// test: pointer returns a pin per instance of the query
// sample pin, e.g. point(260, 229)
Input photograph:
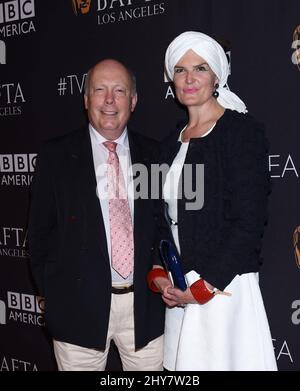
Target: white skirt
point(229, 333)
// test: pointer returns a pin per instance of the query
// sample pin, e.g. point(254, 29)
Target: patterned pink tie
point(121, 231)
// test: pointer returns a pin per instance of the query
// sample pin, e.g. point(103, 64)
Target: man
point(79, 231)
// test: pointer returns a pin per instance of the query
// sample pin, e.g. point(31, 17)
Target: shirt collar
point(99, 139)
point(203, 135)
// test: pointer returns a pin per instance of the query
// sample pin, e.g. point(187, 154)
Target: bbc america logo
point(17, 169)
point(25, 302)
point(14, 15)
point(20, 162)
point(23, 308)
point(11, 11)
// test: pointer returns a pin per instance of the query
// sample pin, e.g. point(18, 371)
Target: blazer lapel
point(81, 155)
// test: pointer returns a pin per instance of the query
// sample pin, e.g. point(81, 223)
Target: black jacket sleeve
point(42, 217)
point(249, 185)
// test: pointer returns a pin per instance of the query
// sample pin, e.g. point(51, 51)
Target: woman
point(219, 321)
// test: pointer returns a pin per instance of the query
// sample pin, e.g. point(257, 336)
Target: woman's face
point(194, 80)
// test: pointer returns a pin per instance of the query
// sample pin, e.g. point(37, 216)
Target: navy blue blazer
point(67, 240)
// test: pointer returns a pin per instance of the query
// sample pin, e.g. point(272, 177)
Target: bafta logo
point(296, 243)
point(296, 46)
point(81, 6)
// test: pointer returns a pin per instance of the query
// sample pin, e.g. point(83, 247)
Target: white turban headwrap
point(213, 53)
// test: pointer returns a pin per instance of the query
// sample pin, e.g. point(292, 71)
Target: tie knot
point(110, 145)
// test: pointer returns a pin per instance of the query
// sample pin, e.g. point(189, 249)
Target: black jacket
point(68, 246)
point(223, 238)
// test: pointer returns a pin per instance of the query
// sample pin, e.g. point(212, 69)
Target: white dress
point(229, 333)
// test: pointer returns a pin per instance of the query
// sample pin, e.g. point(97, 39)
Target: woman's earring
point(215, 93)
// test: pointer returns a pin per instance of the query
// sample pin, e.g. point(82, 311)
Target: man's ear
point(85, 101)
point(134, 99)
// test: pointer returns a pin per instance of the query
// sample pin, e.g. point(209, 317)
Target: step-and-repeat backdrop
point(46, 48)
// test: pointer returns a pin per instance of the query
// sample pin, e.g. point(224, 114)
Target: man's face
point(82, 6)
point(109, 98)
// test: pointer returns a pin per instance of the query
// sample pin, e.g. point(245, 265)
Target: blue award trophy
point(172, 263)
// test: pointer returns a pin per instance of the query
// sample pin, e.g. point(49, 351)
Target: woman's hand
point(173, 297)
point(162, 284)
point(209, 286)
